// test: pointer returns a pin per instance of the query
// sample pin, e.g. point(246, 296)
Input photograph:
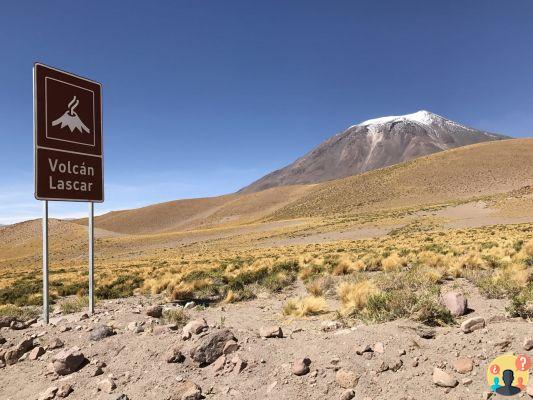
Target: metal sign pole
point(91, 257)
point(45, 262)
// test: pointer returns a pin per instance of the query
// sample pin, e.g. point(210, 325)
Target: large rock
point(528, 344)
point(301, 366)
point(211, 346)
point(442, 378)
point(188, 390)
point(174, 355)
point(463, 365)
point(154, 311)
point(12, 355)
point(5, 322)
point(455, 303)
point(56, 343)
point(107, 385)
point(270, 332)
point(64, 390)
point(473, 324)
point(348, 394)
point(346, 379)
point(101, 332)
point(36, 353)
point(68, 361)
point(48, 394)
point(195, 327)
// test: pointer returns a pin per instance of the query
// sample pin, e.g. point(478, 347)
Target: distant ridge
point(372, 144)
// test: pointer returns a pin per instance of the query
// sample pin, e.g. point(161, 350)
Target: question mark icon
point(523, 362)
point(495, 369)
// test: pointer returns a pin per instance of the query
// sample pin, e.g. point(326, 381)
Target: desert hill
point(462, 173)
point(374, 144)
point(458, 174)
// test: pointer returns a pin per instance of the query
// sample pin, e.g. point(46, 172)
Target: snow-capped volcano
point(372, 144)
point(421, 117)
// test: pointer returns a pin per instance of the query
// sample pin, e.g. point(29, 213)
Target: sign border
point(36, 146)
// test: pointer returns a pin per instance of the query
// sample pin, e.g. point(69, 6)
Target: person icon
point(508, 389)
point(496, 384)
point(520, 383)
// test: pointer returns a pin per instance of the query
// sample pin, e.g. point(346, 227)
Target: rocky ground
point(249, 350)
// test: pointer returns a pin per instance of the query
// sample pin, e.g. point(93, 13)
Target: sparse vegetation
point(305, 306)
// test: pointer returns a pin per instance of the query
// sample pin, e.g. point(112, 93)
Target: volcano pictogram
point(71, 119)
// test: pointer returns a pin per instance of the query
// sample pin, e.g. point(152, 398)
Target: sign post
point(45, 262)
point(68, 151)
point(91, 257)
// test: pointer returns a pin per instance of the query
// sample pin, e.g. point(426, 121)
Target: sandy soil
point(137, 364)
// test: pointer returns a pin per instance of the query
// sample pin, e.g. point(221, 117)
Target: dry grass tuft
point(392, 263)
point(354, 296)
point(305, 306)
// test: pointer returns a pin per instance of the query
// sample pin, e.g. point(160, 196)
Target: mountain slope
point(373, 144)
point(462, 173)
point(199, 213)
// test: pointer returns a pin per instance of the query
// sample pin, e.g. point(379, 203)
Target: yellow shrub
point(392, 263)
point(355, 295)
point(528, 248)
point(304, 306)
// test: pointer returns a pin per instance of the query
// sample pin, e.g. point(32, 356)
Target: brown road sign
point(68, 136)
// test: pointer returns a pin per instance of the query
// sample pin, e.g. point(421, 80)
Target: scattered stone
point(346, 379)
point(64, 390)
point(98, 371)
point(174, 356)
point(48, 394)
point(135, 327)
point(195, 327)
point(189, 305)
point(17, 325)
point(36, 353)
point(466, 381)
point(271, 332)
point(463, 365)
point(330, 326)
point(2, 340)
point(363, 349)
point(188, 390)
point(121, 397)
point(101, 332)
point(56, 343)
point(455, 303)
point(211, 346)
point(348, 394)
point(12, 355)
point(528, 344)
point(301, 367)
point(68, 361)
point(425, 332)
point(473, 324)
point(395, 365)
point(379, 348)
point(219, 363)
point(154, 311)
point(5, 322)
point(64, 329)
point(107, 385)
point(231, 346)
point(239, 364)
point(443, 379)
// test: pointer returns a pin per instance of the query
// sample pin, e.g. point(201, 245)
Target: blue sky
point(203, 97)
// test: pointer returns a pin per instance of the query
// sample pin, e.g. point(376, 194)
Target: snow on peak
point(422, 117)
